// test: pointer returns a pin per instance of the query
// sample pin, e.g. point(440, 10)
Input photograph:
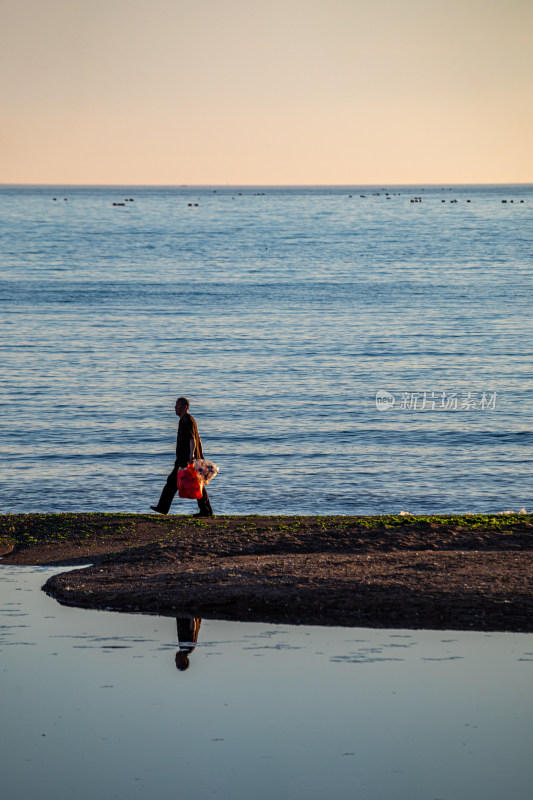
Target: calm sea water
point(280, 312)
point(93, 706)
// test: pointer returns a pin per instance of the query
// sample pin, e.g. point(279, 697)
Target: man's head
point(182, 406)
point(182, 661)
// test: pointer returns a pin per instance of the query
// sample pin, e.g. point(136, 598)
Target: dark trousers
point(169, 490)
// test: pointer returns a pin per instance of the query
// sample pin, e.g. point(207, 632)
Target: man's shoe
point(203, 514)
point(155, 508)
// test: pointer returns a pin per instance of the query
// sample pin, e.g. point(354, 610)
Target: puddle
point(116, 705)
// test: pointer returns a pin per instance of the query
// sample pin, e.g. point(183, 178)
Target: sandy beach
point(471, 572)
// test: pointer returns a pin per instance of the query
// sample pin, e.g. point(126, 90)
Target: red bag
point(190, 484)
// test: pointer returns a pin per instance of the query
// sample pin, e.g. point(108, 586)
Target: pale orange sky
point(266, 91)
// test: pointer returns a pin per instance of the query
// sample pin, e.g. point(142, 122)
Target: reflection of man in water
point(188, 629)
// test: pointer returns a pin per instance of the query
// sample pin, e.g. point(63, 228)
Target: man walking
point(188, 447)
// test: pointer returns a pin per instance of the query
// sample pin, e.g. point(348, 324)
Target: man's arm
point(192, 445)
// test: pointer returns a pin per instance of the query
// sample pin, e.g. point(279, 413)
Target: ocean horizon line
point(381, 186)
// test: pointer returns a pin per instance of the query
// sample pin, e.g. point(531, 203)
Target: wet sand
point(472, 572)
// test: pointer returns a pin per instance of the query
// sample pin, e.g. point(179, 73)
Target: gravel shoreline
point(471, 572)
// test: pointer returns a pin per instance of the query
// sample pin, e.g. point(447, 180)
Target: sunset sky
point(266, 91)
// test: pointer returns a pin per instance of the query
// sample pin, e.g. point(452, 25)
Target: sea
point(93, 706)
point(345, 349)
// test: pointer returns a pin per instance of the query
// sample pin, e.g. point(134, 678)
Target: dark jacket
point(187, 430)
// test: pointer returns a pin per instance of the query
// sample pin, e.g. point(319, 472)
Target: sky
point(266, 92)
